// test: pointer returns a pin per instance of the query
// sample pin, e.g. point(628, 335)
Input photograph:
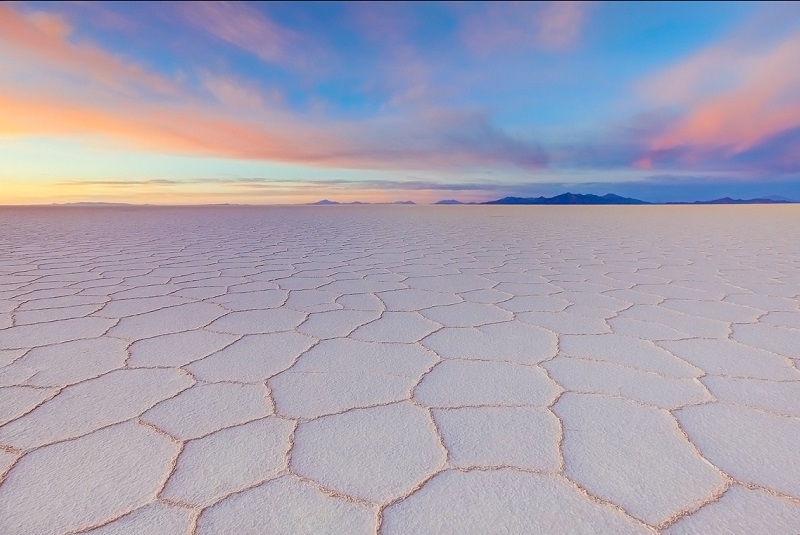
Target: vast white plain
point(353, 369)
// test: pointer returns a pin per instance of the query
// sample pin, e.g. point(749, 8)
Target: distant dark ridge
point(569, 198)
point(728, 200)
point(88, 203)
point(454, 202)
point(326, 202)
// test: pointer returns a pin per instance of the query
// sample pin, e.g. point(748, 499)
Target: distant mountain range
point(613, 199)
point(563, 199)
point(569, 198)
point(728, 200)
point(453, 201)
point(86, 203)
point(326, 202)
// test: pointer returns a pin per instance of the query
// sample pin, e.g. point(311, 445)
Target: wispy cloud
point(545, 25)
point(238, 95)
point(308, 184)
point(451, 91)
point(44, 39)
point(441, 140)
point(560, 24)
point(383, 23)
point(154, 113)
point(438, 138)
point(734, 96)
point(405, 75)
point(249, 29)
point(123, 183)
point(259, 189)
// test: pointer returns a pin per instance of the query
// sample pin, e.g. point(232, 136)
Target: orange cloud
point(436, 140)
point(43, 38)
point(191, 129)
point(80, 90)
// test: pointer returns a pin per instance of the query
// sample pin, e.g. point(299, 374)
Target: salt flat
point(353, 369)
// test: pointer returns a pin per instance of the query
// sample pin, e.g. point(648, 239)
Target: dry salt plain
point(348, 370)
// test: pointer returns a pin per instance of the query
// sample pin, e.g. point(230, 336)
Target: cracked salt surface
point(399, 370)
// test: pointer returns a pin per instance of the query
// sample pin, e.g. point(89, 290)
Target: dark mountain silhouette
point(576, 199)
point(87, 203)
point(569, 198)
point(326, 202)
point(728, 200)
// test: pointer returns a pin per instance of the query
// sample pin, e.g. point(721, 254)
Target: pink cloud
point(82, 92)
point(645, 163)
point(44, 38)
point(734, 96)
point(546, 25)
point(405, 76)
point(432, 140)
point(239, 95)
point(383, 23)
point(561, 23)
point(249, 29)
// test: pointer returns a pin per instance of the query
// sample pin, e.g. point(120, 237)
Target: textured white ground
point(342, 370)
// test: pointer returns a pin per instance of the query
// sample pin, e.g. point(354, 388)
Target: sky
point(281, 103)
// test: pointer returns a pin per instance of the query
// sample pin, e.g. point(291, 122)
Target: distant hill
point(326, 202)
point(569, 198)
point(728, 200)
point(563, 199)
point(86, 203)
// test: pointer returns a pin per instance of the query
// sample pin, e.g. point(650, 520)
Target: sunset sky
point(268, 103)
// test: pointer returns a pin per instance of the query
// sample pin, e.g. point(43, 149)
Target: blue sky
point(291, 102)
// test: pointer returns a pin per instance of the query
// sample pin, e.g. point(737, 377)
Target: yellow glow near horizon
point(46, 170)
point(29, 193)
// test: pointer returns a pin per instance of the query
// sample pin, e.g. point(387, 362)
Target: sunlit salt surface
point(353, 369)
